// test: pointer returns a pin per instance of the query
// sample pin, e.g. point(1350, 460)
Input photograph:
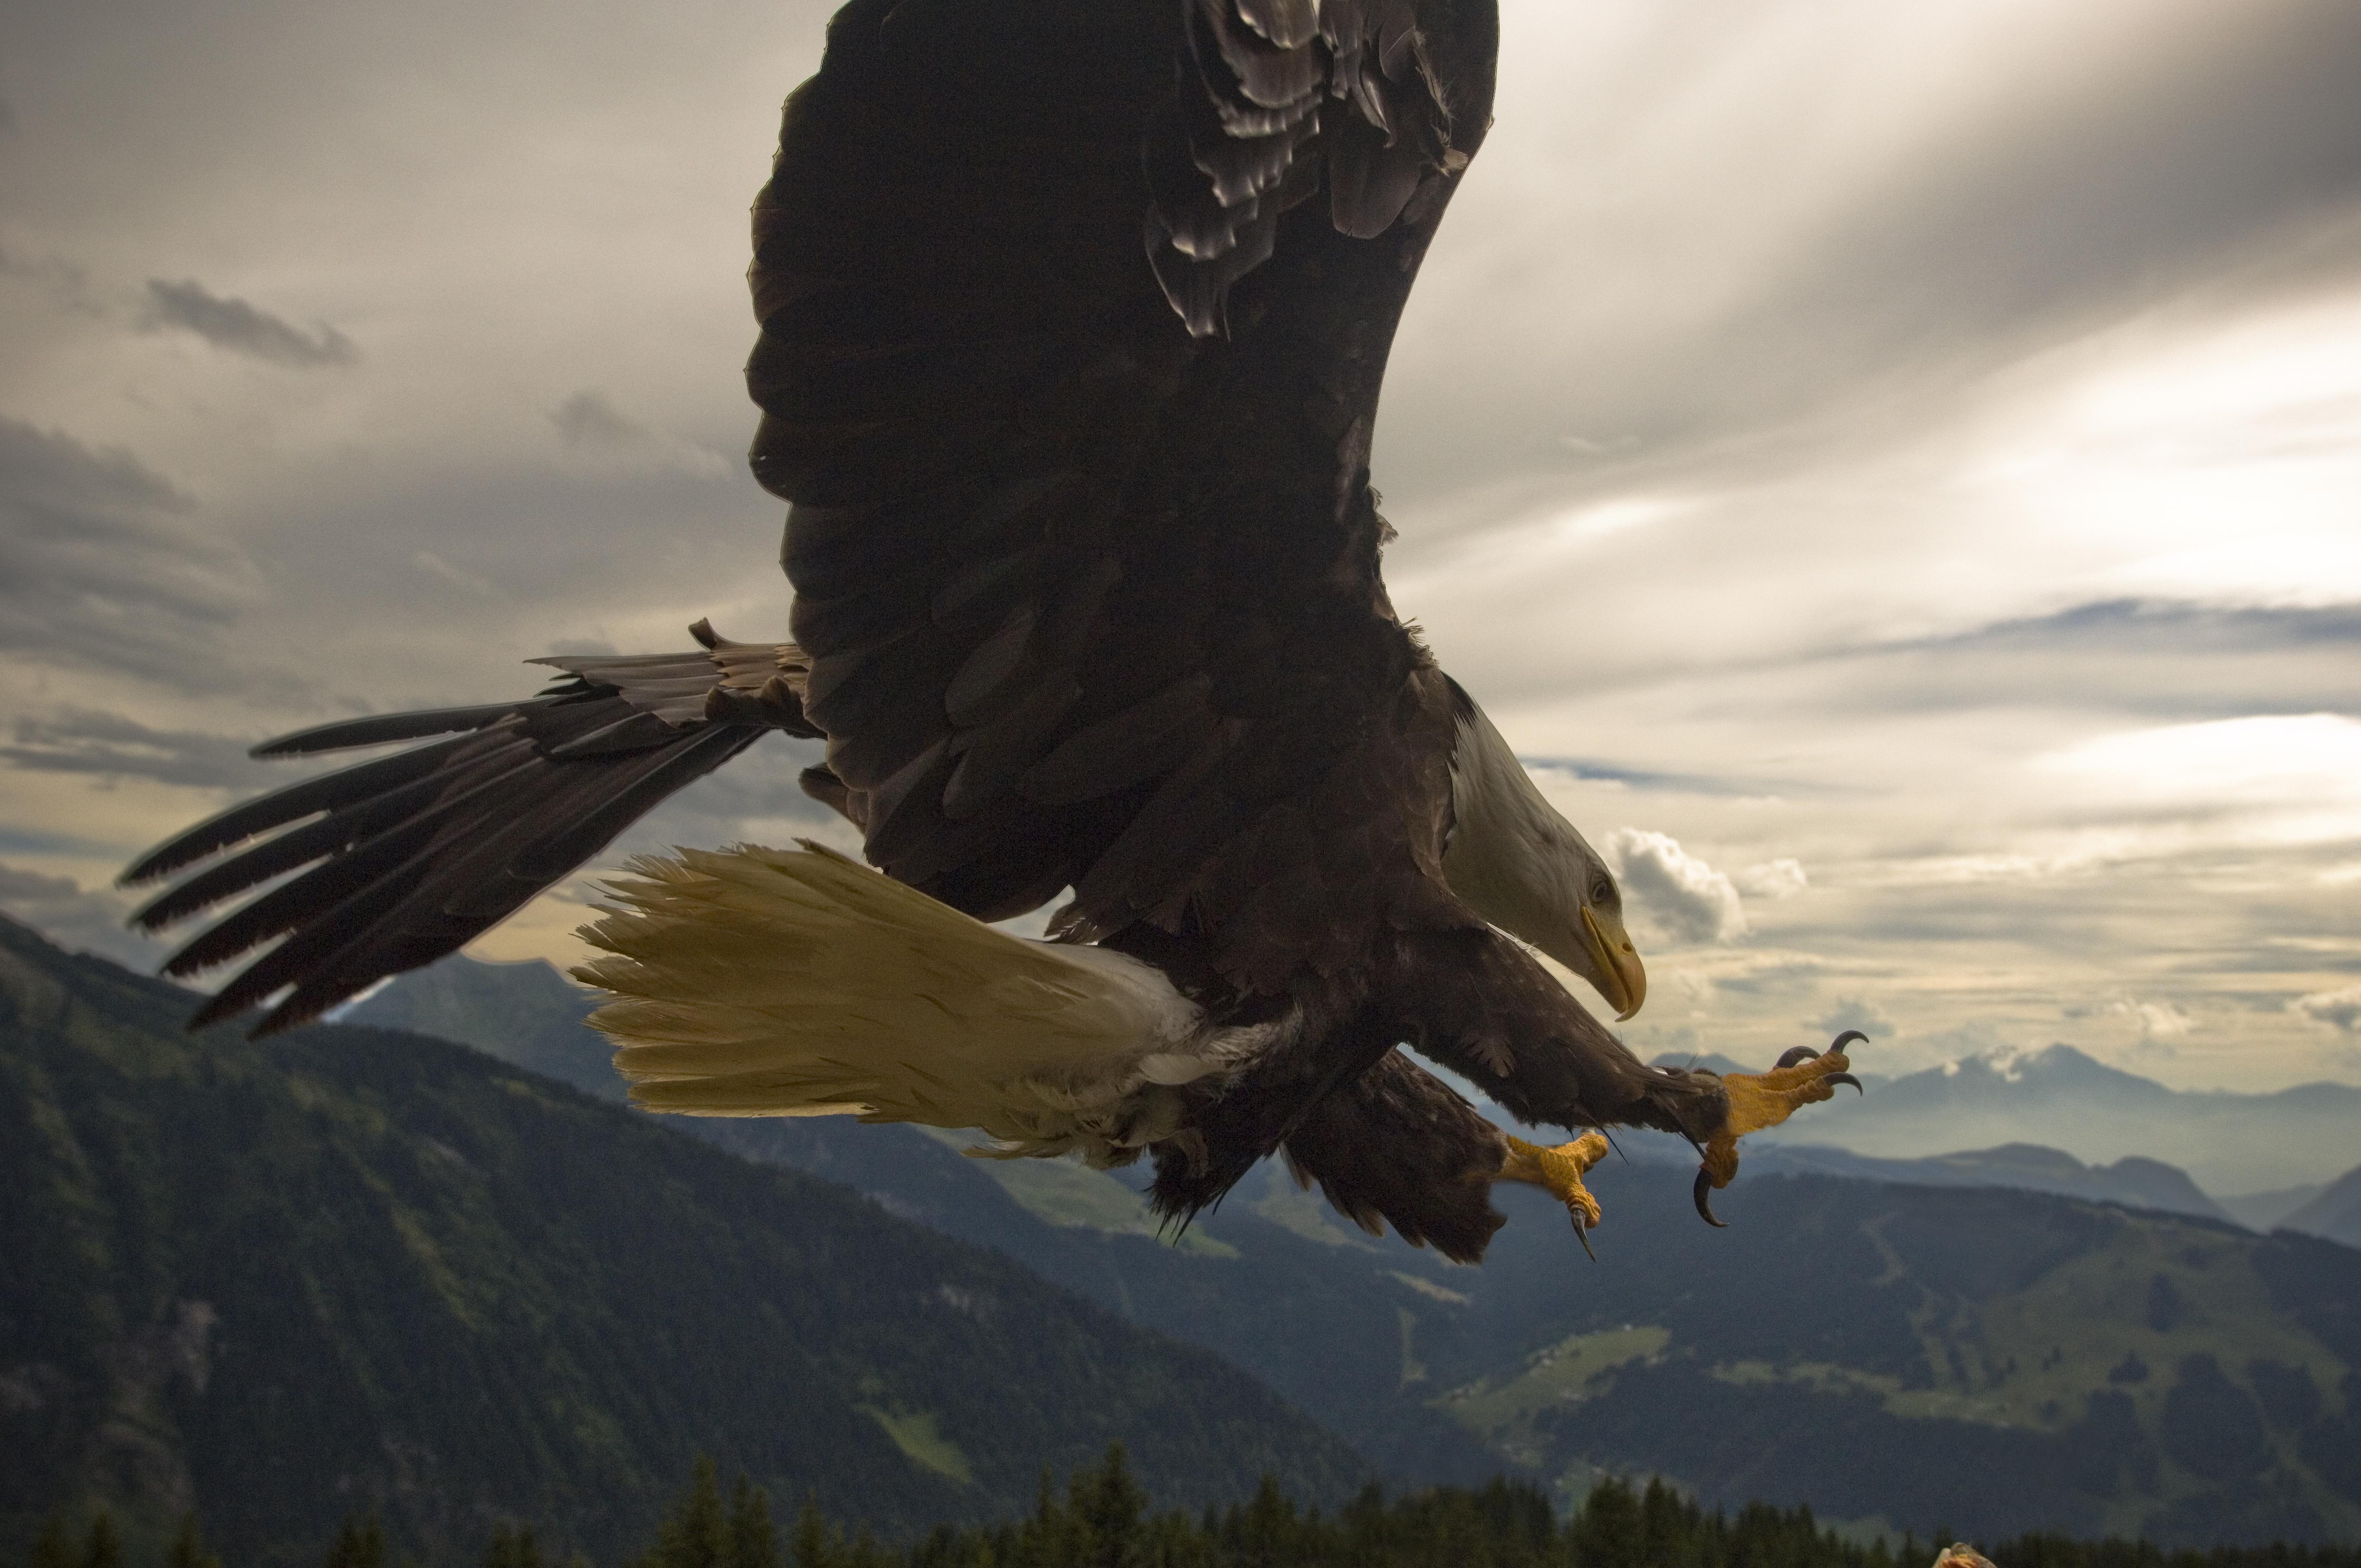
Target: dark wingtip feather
point(379, 728)
point(285, 804)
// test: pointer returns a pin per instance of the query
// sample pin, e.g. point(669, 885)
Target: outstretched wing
point(414, 855)
point(1070, 380)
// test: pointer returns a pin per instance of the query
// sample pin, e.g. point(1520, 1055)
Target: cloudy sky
point(1894, 470)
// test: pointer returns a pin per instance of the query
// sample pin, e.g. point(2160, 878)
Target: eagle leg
point(1757, 1100)
point(1558, 1171)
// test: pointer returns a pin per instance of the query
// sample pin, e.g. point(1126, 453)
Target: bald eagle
point(1073, 317)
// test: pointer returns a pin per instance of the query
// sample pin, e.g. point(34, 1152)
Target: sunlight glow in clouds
point(2301, 773)
point(2221, 465)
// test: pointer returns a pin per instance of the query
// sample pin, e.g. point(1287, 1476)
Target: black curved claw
point(1793, 1055)
point(1847, 1038)
point(1703, 1193)
point(1582, 1234)
point(1845, 1078)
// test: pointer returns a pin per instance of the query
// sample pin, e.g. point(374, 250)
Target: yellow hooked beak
point(1621, 975)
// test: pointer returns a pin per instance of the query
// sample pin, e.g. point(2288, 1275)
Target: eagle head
point(1513, 860)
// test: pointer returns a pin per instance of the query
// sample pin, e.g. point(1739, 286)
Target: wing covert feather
point(1088, 572)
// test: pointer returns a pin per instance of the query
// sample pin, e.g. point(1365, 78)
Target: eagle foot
point(1558, 1171)
point(1801, 1077)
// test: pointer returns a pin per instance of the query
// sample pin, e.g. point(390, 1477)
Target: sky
point(1895, 472)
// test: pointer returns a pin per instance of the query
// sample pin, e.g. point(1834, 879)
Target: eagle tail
point(785, 982)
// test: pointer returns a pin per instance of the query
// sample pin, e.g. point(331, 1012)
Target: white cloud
point(1773, 880)
point(2337, 1009)
point(1682, 895)
point(2154, 1020)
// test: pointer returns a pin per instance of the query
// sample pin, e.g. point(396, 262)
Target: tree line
point(1103, 1519)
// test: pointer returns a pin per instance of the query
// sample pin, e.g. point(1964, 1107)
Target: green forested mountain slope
point(1994, 1360)
point(349, 1269)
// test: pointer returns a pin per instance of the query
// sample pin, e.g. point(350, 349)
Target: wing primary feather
point(379, 728)
point(299, 846)
point(286, 805)
point(326, 885)
point(360, 941)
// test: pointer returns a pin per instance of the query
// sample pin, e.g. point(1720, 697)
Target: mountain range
point(358, 1267)
point(2062, 1098)
point(2334, 1211)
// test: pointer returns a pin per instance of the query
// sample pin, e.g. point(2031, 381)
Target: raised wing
point(1072, 384)
point(414, 855)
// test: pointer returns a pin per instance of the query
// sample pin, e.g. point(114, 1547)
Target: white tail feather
point(787, 983)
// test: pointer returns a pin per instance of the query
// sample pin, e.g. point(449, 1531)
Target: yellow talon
point(1558, 1171)
point(1759, 1100)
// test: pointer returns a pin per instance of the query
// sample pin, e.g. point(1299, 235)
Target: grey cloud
point(2166, 660)
point(592, 426)
point(756, 797)
point(240, 328)
point(87, 922)
point(65, 281)
point(1600, 771)
point(2157, 626)
point(1787, 977)
point(2098, 200)
point(1854, 1013)
point(32, 888)
point(587, 419)
point(99, 567)
point(2180, 153)
point(2163, 659)
point(107, 745)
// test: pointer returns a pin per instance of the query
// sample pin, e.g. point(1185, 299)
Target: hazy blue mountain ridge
point(2333, 1213)
point(2061, 1099)
point(2263, 1211)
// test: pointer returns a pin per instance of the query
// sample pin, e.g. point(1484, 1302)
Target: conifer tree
point(1607, 1532)
point(103, 1548)
point(697, 1533)
point(53, 1548)
point(1107, 1505)
point(815, 1545)
point(753, 1541)
point(189, 1547)
point(360, 1544)
point(513, 1548)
